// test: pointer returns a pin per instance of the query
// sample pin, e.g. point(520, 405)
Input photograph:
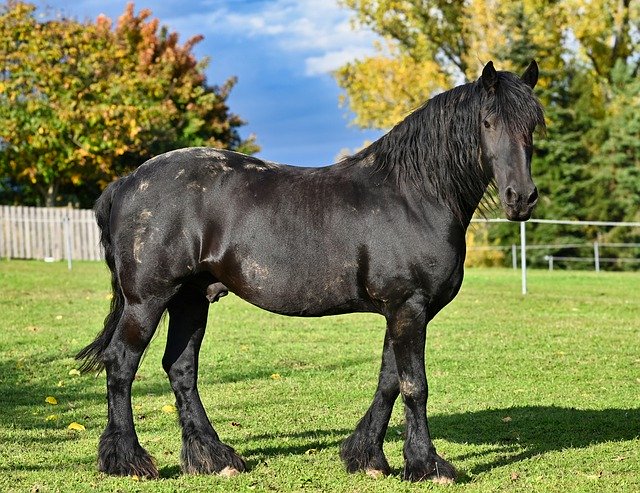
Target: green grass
point(536, 393)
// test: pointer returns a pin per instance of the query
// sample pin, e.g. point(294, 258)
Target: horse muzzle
point(518, 206)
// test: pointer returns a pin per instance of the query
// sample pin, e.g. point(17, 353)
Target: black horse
point(382, 231)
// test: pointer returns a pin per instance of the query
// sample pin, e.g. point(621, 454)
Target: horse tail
point(92, 355)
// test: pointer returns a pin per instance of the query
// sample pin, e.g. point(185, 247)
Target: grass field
point(536, 393)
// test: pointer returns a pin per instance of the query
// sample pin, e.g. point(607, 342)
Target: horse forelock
point(516, 105)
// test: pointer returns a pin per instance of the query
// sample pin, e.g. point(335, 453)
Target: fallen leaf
point(51, 417)
point(58, 317)
point(74, 373)
point(506, 419)
point(60, 383)
point(514, 476)
point(51, 400)
point(76, 426)
point(276, 376)
point(169, 408)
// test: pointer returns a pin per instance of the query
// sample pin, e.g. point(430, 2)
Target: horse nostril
point(510, 196)
point(533, 198)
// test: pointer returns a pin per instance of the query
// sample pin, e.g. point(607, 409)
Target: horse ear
point(530, 76)
point(489, 77)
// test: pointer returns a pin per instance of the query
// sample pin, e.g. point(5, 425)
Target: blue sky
point(282, 52)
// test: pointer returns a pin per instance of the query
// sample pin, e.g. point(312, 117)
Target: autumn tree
point(83, 102)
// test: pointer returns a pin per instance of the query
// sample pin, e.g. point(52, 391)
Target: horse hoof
point(359, 455)
point(205, 454)
point(375, 473)
point(122, 455)
point(435, 469)
point(229, 472)
point(442, 480)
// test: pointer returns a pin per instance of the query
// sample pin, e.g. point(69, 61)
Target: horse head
point(509, 116)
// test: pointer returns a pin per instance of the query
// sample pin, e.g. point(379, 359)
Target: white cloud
point(331, 60)
point(319, 31)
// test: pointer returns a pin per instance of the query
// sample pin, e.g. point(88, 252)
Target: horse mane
point(437, 148)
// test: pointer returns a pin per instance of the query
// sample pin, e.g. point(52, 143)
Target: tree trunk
point(50, 195)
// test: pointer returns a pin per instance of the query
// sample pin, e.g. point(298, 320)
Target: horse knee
point(411, 389)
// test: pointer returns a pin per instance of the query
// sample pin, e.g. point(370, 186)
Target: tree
point(433, 45)
point(84, 102)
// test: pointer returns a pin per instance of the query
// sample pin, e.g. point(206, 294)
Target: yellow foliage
point(431, 46)
point(51, 400)
point(478, 236)
point(385, 89)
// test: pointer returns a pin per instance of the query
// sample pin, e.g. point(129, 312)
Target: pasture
point(536, 393)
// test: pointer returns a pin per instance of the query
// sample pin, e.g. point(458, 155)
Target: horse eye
point(486, 124)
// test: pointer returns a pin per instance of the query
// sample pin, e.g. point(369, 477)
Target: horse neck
point(427, 164)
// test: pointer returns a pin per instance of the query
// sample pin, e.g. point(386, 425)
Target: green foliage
point(536, 393)
point(84, 102)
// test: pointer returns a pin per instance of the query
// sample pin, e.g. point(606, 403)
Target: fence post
point(523, 256)
point(596, 255)
point(549, 258)
point(67, 236)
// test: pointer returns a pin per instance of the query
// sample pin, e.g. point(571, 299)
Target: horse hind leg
point(119, 452)
point(202, 450)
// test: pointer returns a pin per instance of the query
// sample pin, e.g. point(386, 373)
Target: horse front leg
point(202, 450)
point(407, 331)
point(362, 451)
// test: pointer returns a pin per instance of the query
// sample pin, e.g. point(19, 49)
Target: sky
point(282, 51)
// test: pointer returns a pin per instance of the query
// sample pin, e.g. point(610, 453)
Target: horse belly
point(291, 286)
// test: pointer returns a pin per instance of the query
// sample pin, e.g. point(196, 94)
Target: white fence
point(594, 249)
point(49, 233)
point(523, 240)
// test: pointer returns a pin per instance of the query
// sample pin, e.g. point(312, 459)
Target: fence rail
point(524, 247)
point(44, 233)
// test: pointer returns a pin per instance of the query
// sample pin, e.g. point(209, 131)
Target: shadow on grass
point(303, 442)
point(509, 435)
point(518, 433)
